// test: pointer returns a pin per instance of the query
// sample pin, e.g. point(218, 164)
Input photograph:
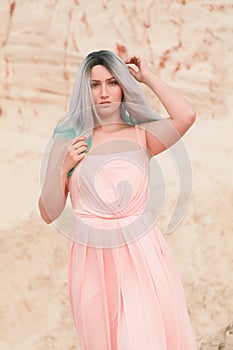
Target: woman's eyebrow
point(96, 80)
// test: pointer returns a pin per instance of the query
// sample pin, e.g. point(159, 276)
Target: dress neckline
point(140, 143)
point(117, 153)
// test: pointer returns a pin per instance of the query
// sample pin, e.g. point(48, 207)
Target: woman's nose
point(104, 91)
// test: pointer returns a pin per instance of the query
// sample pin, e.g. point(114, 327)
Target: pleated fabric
point(125, 290)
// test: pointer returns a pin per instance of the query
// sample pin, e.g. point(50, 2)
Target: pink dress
point(125, 291)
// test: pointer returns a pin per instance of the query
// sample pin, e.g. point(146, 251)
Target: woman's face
point(106, 92)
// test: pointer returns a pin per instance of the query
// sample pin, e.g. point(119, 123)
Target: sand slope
point(188, 43)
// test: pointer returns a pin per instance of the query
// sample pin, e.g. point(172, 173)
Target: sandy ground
point(188, 43)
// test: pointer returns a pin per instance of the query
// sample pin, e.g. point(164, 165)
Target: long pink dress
point(125, 291)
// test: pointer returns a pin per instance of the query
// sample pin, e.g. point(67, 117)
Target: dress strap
point(139, 135)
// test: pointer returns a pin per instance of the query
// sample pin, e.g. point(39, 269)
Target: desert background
point(189, 45)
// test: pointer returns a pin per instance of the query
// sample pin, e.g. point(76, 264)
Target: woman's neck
point(112, 126)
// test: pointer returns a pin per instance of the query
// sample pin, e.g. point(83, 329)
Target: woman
point(125, 292)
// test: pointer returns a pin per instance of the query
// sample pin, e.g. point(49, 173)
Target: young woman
point(125, 291)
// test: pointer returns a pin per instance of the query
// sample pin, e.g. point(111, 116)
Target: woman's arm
point(163, 133)
point(55, 190)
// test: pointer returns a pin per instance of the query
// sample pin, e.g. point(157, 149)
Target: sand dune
point(188, 44)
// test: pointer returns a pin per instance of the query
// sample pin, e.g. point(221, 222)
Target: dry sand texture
point(189, 44)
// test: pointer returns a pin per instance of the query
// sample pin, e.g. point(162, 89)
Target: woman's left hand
point(142, 68)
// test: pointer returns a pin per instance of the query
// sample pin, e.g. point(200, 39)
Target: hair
point(81, 116)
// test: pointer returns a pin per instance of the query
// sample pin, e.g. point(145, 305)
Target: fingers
point(78, 148)
point(133, 60)
point(78, 138)
point(81, 149)
point(140, 68)
point(79, 157)
point(139, 62)
point(79, 142)
point(77, 153)
point(131, 70)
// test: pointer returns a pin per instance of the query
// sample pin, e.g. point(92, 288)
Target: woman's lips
point(105, 104)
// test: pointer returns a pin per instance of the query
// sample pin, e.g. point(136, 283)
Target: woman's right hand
point(75, 153)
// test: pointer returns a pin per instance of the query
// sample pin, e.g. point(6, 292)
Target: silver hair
point(81, 117)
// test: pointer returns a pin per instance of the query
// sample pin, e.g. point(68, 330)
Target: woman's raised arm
point(163, 133)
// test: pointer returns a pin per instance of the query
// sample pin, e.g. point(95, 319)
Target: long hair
point(81, 116)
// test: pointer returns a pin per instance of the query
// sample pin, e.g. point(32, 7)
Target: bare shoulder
point(162, 134)
point(156, 135)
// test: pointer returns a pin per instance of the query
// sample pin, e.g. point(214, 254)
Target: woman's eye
point(94, 85)
point(113, 82)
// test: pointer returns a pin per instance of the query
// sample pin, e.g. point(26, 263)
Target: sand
point(41, 50)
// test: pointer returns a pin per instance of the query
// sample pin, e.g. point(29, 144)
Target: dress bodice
point(111, 188)
point(111, 185)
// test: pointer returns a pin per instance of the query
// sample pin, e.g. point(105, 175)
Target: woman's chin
point(107, 110)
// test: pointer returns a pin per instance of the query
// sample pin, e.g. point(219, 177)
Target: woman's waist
point(112, 231)
point(120, 215)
